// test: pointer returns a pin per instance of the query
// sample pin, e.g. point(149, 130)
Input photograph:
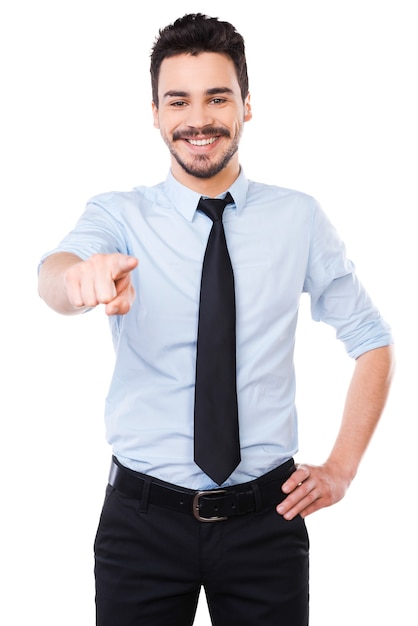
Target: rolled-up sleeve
point(345, 305)
point(98, 231)
point(337, 296)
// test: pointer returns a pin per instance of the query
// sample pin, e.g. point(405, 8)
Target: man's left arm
point(311, 487)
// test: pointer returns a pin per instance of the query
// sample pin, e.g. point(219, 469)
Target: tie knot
point(214, 207)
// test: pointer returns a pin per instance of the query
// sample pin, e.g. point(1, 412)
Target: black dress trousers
point(151, 564)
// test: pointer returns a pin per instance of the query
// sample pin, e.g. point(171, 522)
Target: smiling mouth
point(202, 142)
point(199, 137)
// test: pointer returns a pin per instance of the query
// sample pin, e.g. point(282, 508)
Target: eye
point(178, 103)
point(218, 100)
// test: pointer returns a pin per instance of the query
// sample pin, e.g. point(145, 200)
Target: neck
point(210, 187)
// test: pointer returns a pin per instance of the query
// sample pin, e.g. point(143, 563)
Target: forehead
point(197, 73)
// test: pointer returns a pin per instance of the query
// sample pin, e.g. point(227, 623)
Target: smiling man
point(203, 489)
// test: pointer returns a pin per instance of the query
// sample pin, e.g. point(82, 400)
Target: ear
point(247, 109)
point(155, 115)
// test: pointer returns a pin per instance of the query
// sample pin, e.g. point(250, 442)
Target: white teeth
point(201, 142)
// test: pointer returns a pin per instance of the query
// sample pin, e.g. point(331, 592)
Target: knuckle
point(312, 496)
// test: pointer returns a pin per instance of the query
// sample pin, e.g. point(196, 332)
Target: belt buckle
point(196, 506)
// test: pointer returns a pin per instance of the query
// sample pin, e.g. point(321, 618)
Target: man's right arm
point(70, 285)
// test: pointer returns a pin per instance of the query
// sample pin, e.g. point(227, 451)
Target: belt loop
point(143, 504)
point(257, 496)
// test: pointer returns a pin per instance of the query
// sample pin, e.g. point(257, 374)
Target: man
point(140, 254)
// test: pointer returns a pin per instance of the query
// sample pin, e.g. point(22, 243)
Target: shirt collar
point(186, 200)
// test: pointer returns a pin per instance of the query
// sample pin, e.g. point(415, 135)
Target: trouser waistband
point(207, 506)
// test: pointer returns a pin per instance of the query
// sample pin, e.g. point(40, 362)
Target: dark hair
point(195, 33)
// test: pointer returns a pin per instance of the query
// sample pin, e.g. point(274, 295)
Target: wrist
point(344, 469)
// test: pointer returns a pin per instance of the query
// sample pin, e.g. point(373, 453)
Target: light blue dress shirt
point(281, 245)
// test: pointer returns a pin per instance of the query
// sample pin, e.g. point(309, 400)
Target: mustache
point(210, 131)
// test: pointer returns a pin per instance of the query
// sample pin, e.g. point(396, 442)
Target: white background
point(335, 115)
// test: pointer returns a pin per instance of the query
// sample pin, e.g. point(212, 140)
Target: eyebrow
point(209, 92)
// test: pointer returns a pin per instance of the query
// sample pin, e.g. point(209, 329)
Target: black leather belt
point(207, 506)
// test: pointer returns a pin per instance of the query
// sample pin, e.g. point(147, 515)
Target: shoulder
point(281, 200)
point(257, 190)
point(123, 206)
point(137, 196)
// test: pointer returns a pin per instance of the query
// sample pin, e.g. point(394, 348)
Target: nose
point(198, 116)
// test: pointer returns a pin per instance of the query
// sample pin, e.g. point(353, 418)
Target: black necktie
point(216, 441)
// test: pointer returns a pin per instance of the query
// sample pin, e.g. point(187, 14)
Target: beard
point(202, 166)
